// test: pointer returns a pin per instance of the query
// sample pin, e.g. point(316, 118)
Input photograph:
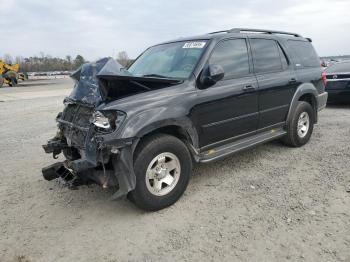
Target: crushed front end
point(87, 138)
point(92, 152)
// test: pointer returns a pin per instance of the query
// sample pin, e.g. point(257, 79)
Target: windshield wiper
point(141, 85)
point(155, 75)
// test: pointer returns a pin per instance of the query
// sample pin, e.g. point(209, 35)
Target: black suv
point(194, 99)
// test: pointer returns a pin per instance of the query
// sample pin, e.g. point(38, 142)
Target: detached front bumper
point(104, 160)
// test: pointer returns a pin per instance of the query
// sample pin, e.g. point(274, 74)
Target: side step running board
point(225, 150)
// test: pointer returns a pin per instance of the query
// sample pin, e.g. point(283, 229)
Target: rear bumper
point(322, 101)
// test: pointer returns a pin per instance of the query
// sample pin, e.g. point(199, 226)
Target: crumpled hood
point(104, 79)
point(86, 88)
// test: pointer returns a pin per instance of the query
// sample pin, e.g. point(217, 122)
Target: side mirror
point(211, 75)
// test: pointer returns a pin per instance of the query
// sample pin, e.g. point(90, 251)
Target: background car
point(338, 82)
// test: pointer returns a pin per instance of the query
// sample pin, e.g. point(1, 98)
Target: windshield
point(173, 60)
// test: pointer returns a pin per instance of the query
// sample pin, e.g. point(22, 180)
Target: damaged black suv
point(140, 129)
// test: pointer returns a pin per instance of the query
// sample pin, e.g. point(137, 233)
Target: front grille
point(78, 138)
point(69, 112)
point(75, 124)
point(78, 115)
point(84, 115)
point(338, 76)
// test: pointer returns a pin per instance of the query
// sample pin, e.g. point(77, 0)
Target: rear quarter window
point(304, 53)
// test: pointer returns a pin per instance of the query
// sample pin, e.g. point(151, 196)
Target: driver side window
point(232, 55)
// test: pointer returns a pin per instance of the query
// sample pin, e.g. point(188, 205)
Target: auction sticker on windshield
point(194, 45)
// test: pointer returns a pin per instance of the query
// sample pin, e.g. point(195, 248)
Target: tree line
point(47, 63)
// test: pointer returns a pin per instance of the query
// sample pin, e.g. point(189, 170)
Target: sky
point(99, 28)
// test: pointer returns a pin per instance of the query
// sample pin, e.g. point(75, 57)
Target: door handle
point(292, 81)
point(248, 88)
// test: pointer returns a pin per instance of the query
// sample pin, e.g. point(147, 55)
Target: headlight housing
point(100, 121)
point(108, 120)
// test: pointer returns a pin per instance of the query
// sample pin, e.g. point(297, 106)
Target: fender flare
point(145, 122)
point(124, 171)
point(303, 89)
point(184, 124)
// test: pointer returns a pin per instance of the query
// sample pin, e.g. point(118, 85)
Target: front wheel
point(300, 126)
point(163, 166)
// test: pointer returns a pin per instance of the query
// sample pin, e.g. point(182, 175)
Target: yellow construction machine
point(8, 74)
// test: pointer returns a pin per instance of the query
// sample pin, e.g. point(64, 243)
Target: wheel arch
point(181, 130)
point(306, 92)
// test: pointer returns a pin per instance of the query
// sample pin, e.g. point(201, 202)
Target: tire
point(297, 137)
point(12, 82)
point(151, 154)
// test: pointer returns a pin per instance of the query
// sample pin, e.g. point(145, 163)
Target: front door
point(229, 109)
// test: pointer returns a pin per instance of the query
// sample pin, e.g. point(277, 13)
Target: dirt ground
point(271, 203)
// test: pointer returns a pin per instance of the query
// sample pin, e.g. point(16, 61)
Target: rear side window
point(232, 55)
point(305, 54)
point(266, 55)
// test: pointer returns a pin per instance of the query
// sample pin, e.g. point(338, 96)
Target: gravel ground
point(271, 203)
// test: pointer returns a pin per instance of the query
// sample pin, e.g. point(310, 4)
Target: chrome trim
point(233, 138)
point(338, 79)
point(86, 129)
point(246, 147)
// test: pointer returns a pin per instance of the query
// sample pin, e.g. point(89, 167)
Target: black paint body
point(225, 111)
point(207, 118)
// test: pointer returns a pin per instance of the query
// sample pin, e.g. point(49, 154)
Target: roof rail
point(239, 30)
point(218, 32)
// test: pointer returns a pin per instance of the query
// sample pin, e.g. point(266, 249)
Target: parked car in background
point(338, 82)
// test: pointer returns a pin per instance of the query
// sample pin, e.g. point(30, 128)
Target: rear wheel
point(300, 126)
point(163, 167)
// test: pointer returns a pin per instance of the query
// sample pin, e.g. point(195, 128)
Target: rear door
point(229, 109)
point(276, 79)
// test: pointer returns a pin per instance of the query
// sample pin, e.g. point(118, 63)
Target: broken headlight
point(100, 121)
point(108, 120)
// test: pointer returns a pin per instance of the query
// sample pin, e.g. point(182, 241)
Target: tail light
point(324, 78)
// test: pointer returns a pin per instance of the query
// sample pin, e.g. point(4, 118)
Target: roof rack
point(239, 30)
point(218, 32)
